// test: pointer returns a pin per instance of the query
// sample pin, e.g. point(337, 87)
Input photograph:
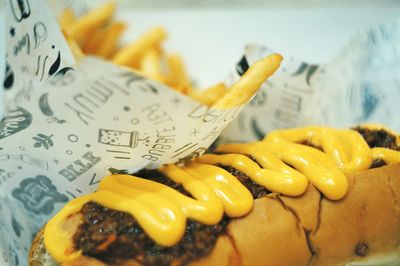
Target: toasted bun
point(361, 229)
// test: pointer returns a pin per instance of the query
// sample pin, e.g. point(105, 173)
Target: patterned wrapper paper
point(35, 49)
point(362, 84)
point(2, 52)
point(80, 124)
point(32, 50)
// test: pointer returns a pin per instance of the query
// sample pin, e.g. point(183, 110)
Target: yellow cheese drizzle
point(280, 163)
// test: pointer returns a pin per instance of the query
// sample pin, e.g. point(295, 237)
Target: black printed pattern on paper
point(16, 121)
point(8, 77)
point(47, 110)
point(38, 195)
point(20, 9)
point(242, 66)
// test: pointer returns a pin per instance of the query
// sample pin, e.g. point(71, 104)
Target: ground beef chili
point(255, 189)
point(378, 139)
point(114, 236)
point(157, 176)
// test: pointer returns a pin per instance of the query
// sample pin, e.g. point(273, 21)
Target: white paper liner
point(84, 125)
point(35, 49)
point(360, 85)
point(2, 53)
point(64, 134)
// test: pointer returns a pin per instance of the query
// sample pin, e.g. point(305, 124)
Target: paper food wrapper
point(35, 50)
point(360, 85)
point(2, 52)
point(68, 126)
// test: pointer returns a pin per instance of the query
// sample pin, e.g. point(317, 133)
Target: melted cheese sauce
point(280, 163)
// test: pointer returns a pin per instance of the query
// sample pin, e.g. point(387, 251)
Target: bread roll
point(361, 229)
point(349, 216)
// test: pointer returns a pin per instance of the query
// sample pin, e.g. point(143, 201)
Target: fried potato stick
point(91, 21)
point(249, 83)
point(67, 18)
point(210, 95)
point(131, 54)
point(110, 43)
point(150, 65)
point(178, 77)
point(103, 42)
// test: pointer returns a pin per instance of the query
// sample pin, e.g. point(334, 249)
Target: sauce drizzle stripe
point(282, 163)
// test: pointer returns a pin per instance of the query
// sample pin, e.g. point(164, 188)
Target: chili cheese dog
point(307, 196)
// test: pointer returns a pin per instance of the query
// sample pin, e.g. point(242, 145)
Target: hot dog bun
point(363, 228)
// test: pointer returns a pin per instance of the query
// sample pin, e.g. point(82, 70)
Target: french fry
point(150, 65)
point(249, 83)
point(132, 53)
point(209, 95)
point(104, 41)
point(91, 34)
point(109, 45)
point(177, 74)
point(93, 41)
point(67, 18)
point(91, 21)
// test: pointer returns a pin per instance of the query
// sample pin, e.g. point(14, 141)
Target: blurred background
point(211, 35)
point(241, 3)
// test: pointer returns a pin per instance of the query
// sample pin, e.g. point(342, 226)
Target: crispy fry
point(132, 53)
point(150, 65)
point(91, 34)
point(103, 41)
point(209, 95)
point(249, 83)
point(93, 41)
point(89, 22)
point(67, 18)
point(177, 74)
point(110, 42)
